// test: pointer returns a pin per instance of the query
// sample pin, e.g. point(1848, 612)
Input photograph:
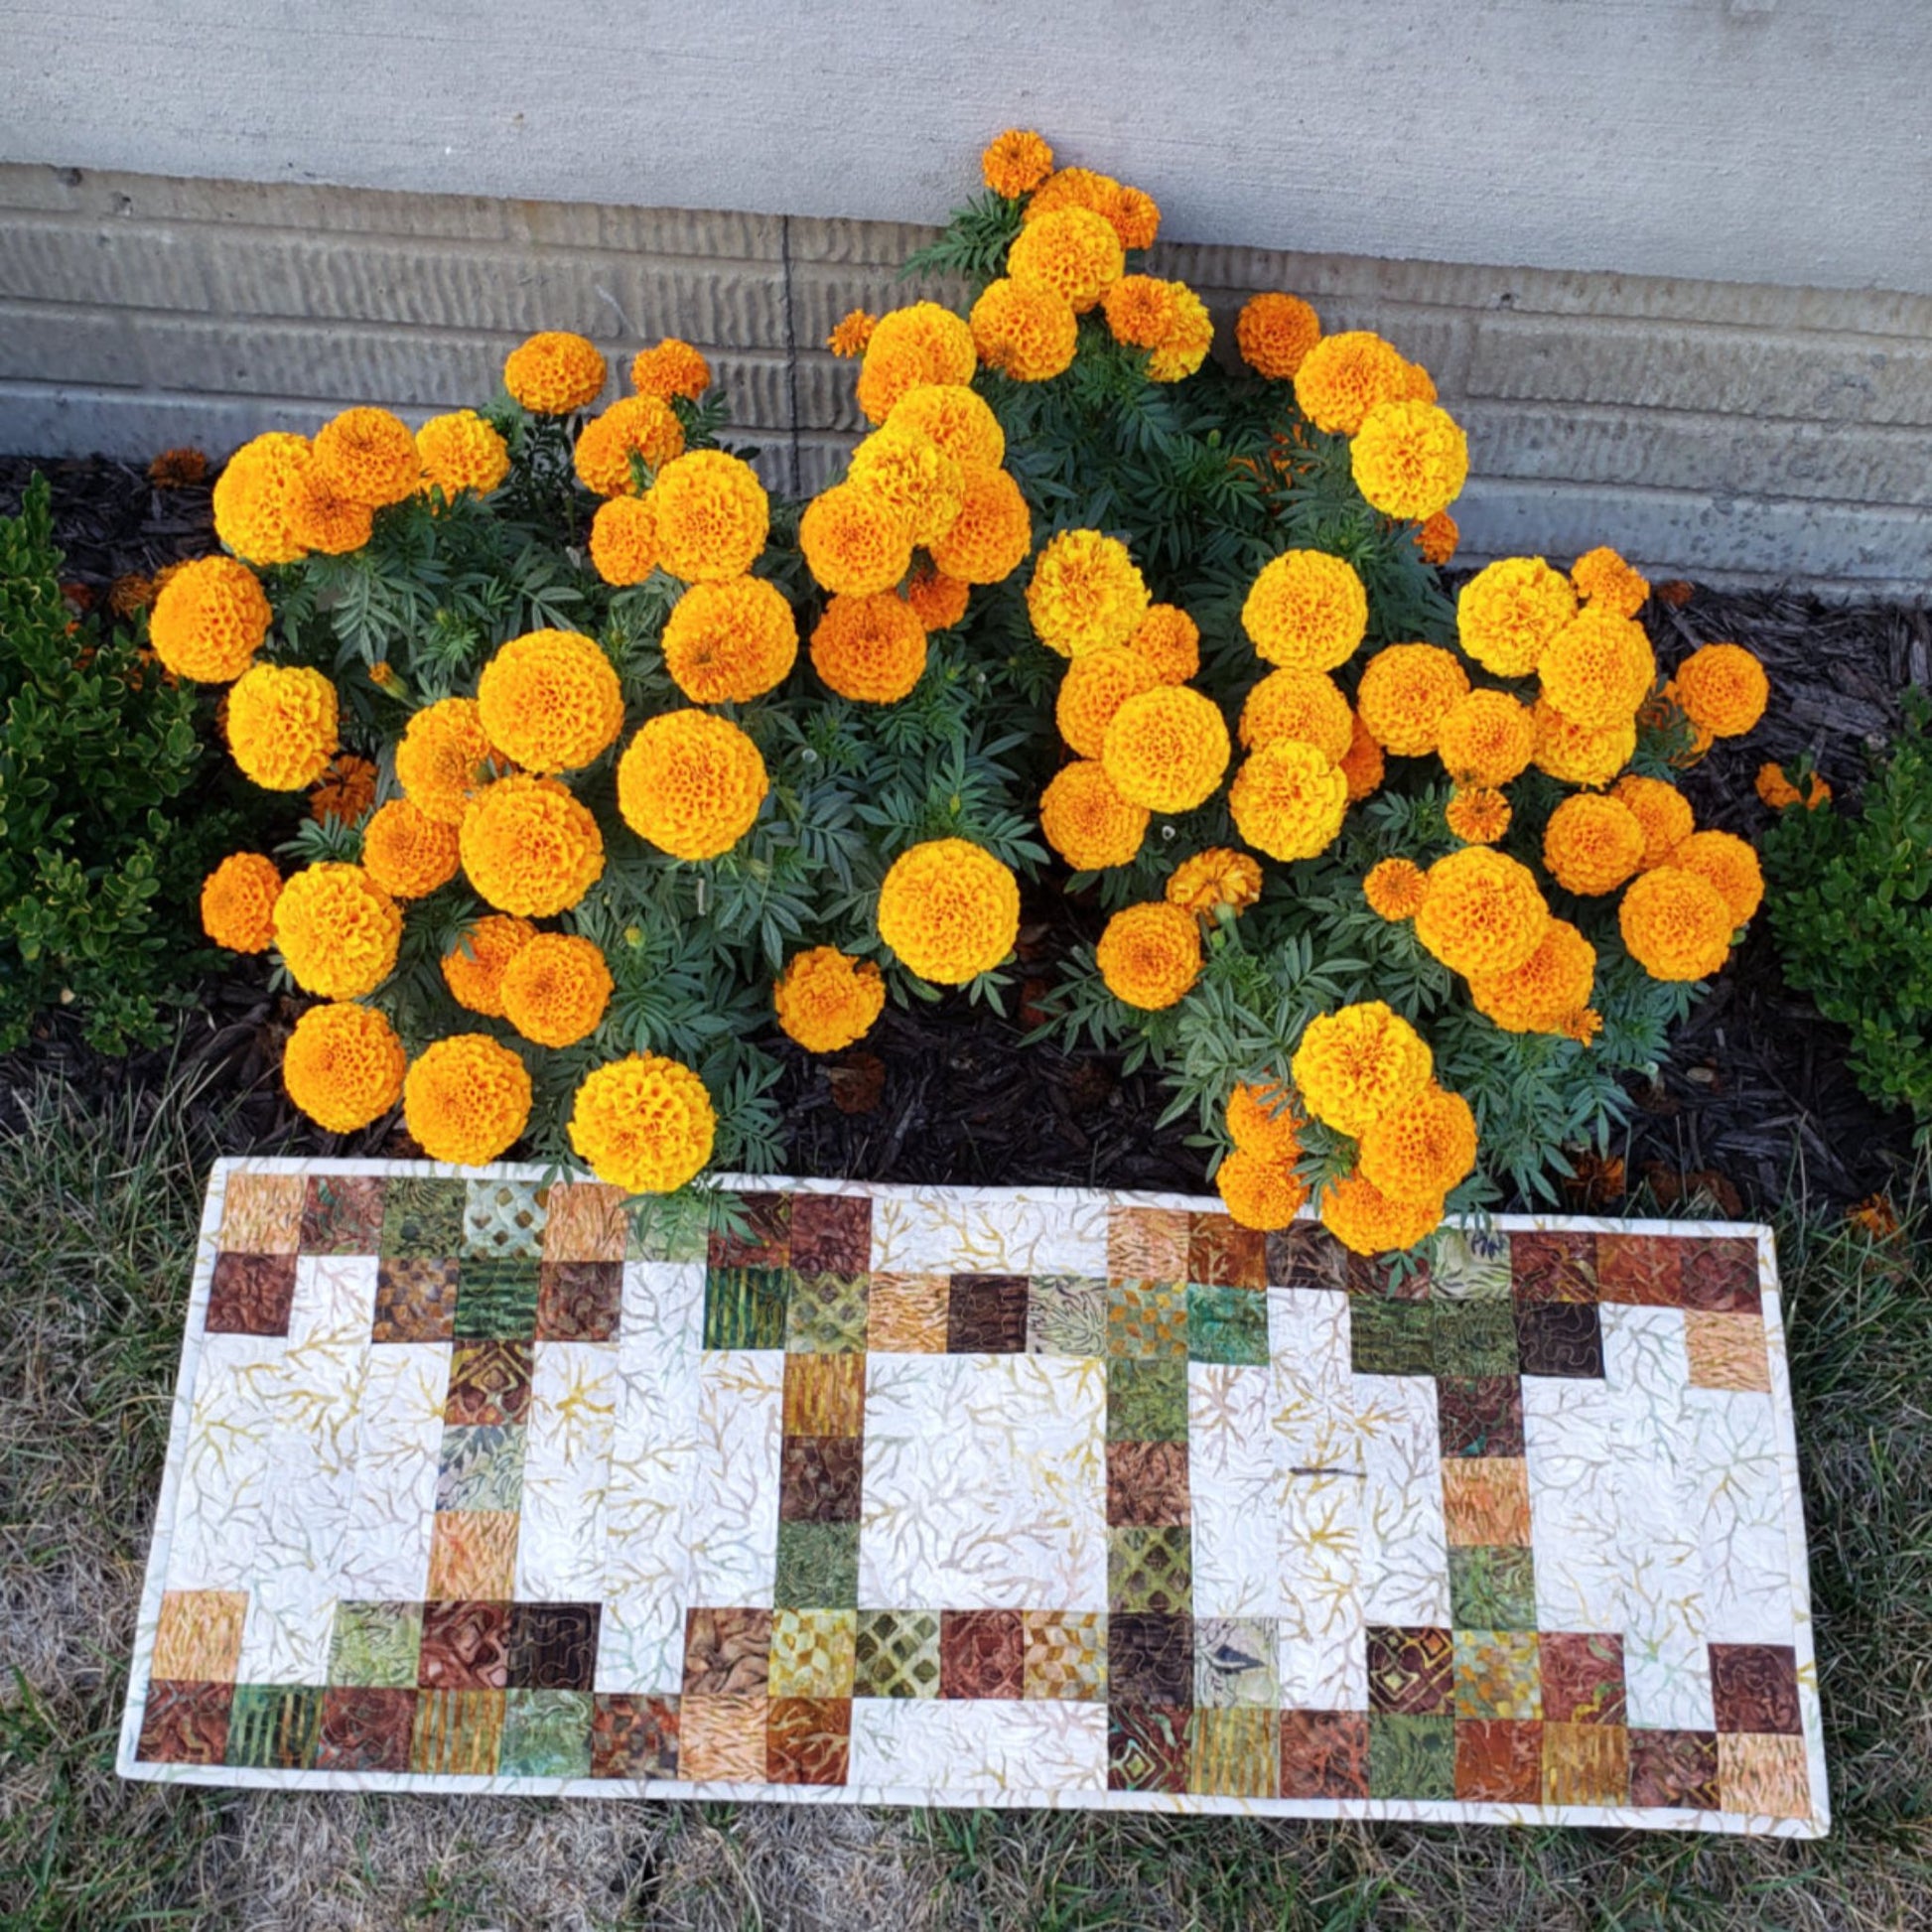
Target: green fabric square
point(746, 1307)
point(1474, 1338)
point(1066, 1315)
point(481, 1467)
point(423, 1220)
point(1411, 1757)
point(1227, 1324)
point(273, 1726)
point(896, 1654)
point(546, 1735)
point(375, 1645)
point(1492, 1587)
point(1147, 1401)
point(1148, 1320)
point(1471, 1265)
point(1150, 1568)
point(497, 1297)
point(1390, 1338)
point(1498, 1674)
point(825, 1315)
point(818, 1567)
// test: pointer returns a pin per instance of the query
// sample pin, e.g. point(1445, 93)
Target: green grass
point(97, 1224)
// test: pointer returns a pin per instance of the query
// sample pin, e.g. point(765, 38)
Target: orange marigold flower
point(1722, 860)
point(957, 419)
point(555, 989)
point(730, 642)
point(337, 931)
point(368, 455)
point(209, 619)
point(920, 344)
point(1093, 690)
point(1597, 669)
point(938, 600)
point(1581, 754)
point(1342, 377)
point(644, 1124)
point(1507, 614)
point(1604, 580)
point(906, 469)
point(1288, 800)
point(1676, 924)
point(949, 911)
point(1777, 790)
point(1406, 692)
point(344, 792)
point(1363, 767)
point(1306, 705)
point(1025, 333)
point(641, 427)
point(992, 534)
point(854, 541)
point(444, 756)
point(1274, 333)
point(1258, 1193)
point(177, 468)
point(1583, 1025)
point(238, 901)
point(1088, 822)
point(713, 515)
point(554, 372)
point(890, 368)
point(1167, 640)
point(691, 783)
point(1140, 310)
point(1437, 539)
point(827, 999)
point(1477, 814)
point(1485, 738)
point(871, 649)
point(459, 452)
point(549, 700)
point(1876, 1215)
point(1367, 1222)
point(472, 968)
point(1305, 610)
point(343, 1066)
point(1546, 991)
point(282, 724)
point(1166, 749)
point(467, 1099)
point(1410, 460)
point(623, 539)
point(1482, 911)
point(1214, 880)
point(851, 333)
point(1071, 253)
point(530, 847)
point(1593, 843)
point(1394, 889)
point(672, 368)
point(1722, 690)
point(1149, 955)
point(1185, 347)
point(1016, 163)
point(406, 852)
point(1359, 1063)
point(1086, 592)
point(1421, 1150)
point(1132, 215)
point(256, 497)
point(1262, 1120)
point(326, 521)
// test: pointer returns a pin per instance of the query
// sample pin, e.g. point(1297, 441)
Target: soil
point(1755, 1108)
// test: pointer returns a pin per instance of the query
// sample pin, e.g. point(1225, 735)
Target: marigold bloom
point(938, 600)
point(644, 1124)
point(1183, 349)
point(1167, 640)
point(1025, 333)
point(343, 1066)
point(1579, 755)
point(1258, 1193)
point(1482, 911)
point(1086, 592)
point(344, 792)
point(732, 642)
point(467, 1099)
point(1342, 377)
point(180, 469)
point(1219, 879)
point(459, 452)
point(554, 372)
point(992, 534)
point(871, 649)
point(1367, 1222)
point(282, 724)
point(474, 967)
point(1778, 792)
point(1407, 690)
point(922, 343)
point(1676, 924)
point(337, 931)
point(327, 523)
point(1070, 253)
point(672, 368)
point(691, 783)
point(1485, 738)
point(1166, 749)
point(1727, 862)
point(1604, 581)
point(238, 901)
point(1437, 539)
point(530, 847)
point(1597, 669)
point(949, 911)
point(1359, 1063)
point(851, 333)
point(1149, 955)
point(555, 989)
point(1410, 460)
point(1288, 800)
point(1394, 889)
point(623, 539)
point(854, 541)
point(1507, 614)
point(1306, 611)
point(906, 469)
point(1477, 814)
point(1016, 163)
point(209, 619)
point(1545, 994)
point(1140, 310)
point(1088, 822)
point(1093, 690)
point(1262, 1121)
point(713, 515)
point(1593, 843)
point(957, 419)
point(1421, 1150)
point(406, 852)
point(549, 700)
point(1363, 767)
point(257, 496)
point(368, 455)
point(640, 427)
point(443, 757)
point(1274, 333)
point(827, 999)
point(1722, 690)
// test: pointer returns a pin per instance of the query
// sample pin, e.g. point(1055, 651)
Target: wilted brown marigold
point(368, 455)
point(1258, 1193)
point(282, 724)
point(337, 931)
point(712, 515)
point(1307, 609)
point(1275, 331)
point(1094, 688)
point(1676, 925)
point(1288, 800)
point(177, 468)
point(472, 968)
point(672, 368)
point(209, 619)
point(467, 1099)
point(1088, 822)
point(238, 901)
point(1149, 955)
point(949, 911)
point(623, 539)
point(1026, 333)
point(691, 783)
point(1166, 749)
point(1406, 692)
point(1482, 911)
point(853, 541)
point(732, 642)
point(131, 593)
point(871, 649)
point(554, 372)
point(528, 847)
point(640, 427)
point(406, 852)
point(1016, 163)
point(828, 999)
point(459, 452)
point(644, 1124)
point(343, 1066)
point(549, 701)
point(992, 534)
point(1216, 880)
point(555, 989)
point(1394, 889)
point(1593, 843)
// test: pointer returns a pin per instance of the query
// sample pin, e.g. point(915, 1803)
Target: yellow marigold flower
point(530, 847)
point(343, 1066)
point(1778, 792)
point(1211, 880)
point(1410, 460)
point(1258, 1193)
point(904, 469)
point(855, 541)
point(827, 999)
point(1359, 1063)
point(1305, 610)
point(1342, 377)
point(324, 521)
point(209, 619)
point(1604, 580)
point(957, 419)
point(730, 642)
point(549, 700)
point(890, 368)
point(920, 344)
point(554, 372)
point(1307, 705)
point(1416, 384)
point(1071, 253)
point(1167, 642)
point(1581, 754)
point(1362, 767)
point(949, 911)
point(368, 455)
point(1086, 592)
point(992, 534)
point(1183, 349)
point(1597, 669)
point(1722, 690)
point(1507, 614)
point(1482, 911)
point(256, 496)
point(1593, 843)
point(1407, 690)
point(1546, 991)
point(282, 724)
point(851, 333)
point(1149, 955)
point(444, 756)
point(459, 452)
point(672, 368)
point(1274, 333)
point(871, 649)
point(623, 539)
point(1724, 861)
point(1485, 738)
point(1133, 215)
point(1016, 163)
point(1288, 800)
point(644, 1124)
point(1394, 889)
point(644, 427)
point(1093, 690)
point(337, 931)
point(1086, 820)
point(691, 783)
point(1676, 924)
point(938, 600)
point(1367, 1222)
point(467, 1099)
point(713, 515)
point(1166, 749)
point(555, 989)
point(238, 901)
point(1421, 1150)
point(1140, 310)
point(344, 792)
point(1262, 1121)
point(406, 852)
point(1477, 814)
point(1025, 333)
point(474, 967)
point(1437, 539)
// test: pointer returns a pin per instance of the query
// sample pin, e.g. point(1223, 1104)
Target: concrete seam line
point(792, 347)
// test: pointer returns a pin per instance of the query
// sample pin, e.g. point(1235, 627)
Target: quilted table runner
point(990, 1497)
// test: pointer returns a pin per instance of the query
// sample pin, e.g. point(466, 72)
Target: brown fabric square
point(1726, 1351)
point(185, 1724)
point(1763, 1775)
point(825, 1395)
point(584, 1222)
point(1560, 1339)
point(808, 1740)
point(464, 1647)
point(1583, 1677)
point(1486, 1500)
point(1306, 1255)
point(366, 1730)
point(1480, 1415)
point(1755, 1686)
point(1147, 1483)
point(1411, 1671)
point(986, 1314)
point(982, 1654)
point(1721, 1274)
point(341, 1214)
point(198, 1637)
point(633, 1736)
point(1324, 1754)
point(1146, 1244)
point(1642, 1268)
point(1151, 1657)
point(1498, 1760)
point(722, 1739)
point(579, 1301)
point(767, 1239)
point(261, 1213)
point(552, 1647)
point(1673, 1769)
point(415, 1301)
point(1148, 1747)
point(250, 1294)
point(906, 1315)
point(489, 1382)
point(1585, 1764)
point(1372, 1275)
point(831, 1234)
point(820, 1478)
point(1552, 1265)
point(1224, 1254)
point(727, 1653)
